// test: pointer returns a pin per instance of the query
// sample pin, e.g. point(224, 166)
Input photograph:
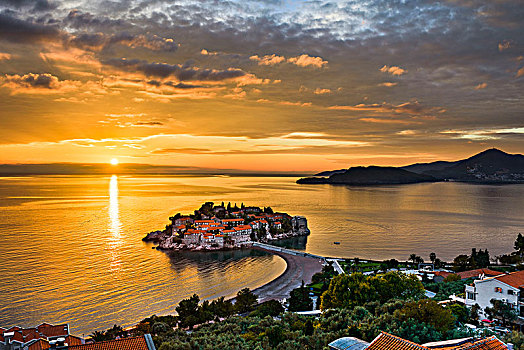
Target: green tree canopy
point(346, 291)
point(245, 301)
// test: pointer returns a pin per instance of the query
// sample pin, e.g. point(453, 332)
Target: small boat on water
point(336, 242)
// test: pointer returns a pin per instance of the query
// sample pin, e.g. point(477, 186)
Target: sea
point(71, 248)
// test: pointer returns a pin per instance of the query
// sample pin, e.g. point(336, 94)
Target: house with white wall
point(506, 287)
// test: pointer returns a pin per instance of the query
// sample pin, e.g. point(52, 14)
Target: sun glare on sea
point(114, 161)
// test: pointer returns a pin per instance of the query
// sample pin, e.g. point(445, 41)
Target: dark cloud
point(85, 20)
point(181, 72)
point(22, 31)
point(148, 123)
point(100, 41)
point(35, 5)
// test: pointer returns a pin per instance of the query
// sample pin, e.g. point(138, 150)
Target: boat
point(336, 242)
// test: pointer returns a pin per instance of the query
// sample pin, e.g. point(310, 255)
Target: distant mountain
point(421, 168)
point(330, 172)
point(490, 166)
point(372, 175)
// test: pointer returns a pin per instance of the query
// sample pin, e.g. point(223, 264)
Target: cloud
point(306, 60)
point(37, 83)
point(181, 72)
point(319, 91)
point(5, 56)
point(393, 70)
point(413, 107)
point(184, 150)
point(208, 53)
point(302, 60)
point(505, 44)
point(20, 31)
point(100, 41)
point(36, 5)
point(389, 121)
point(481, 86)
point(268, 60)
point(388, 84)
point(520, 72)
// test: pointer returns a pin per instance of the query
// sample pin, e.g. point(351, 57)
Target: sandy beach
point(299, 268)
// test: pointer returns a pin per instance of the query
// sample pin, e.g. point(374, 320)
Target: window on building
point(510, 292)
point(471, 296)
point(498, 290)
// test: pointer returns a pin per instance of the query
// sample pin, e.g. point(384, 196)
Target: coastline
point(298, 269)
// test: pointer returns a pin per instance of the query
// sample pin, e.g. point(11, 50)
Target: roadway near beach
point(299, 268)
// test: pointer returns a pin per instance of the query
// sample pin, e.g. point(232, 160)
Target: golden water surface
point(71, 249)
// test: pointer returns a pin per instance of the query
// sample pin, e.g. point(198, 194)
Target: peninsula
point(226, 227)
point(489, 166)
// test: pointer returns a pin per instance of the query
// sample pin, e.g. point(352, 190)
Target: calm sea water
point(71, 249)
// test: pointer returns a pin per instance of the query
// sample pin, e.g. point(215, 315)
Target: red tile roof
point(514, 279)
point(40, 344)
point(386, 341)
point(53, 331)
point(135, 343)
point(475, 273)
point(491, 343)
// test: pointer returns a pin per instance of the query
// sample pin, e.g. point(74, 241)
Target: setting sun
point(114, 161)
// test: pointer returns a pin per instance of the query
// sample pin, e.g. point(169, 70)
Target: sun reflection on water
point(115, 225)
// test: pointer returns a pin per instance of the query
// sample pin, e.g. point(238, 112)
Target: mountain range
point(489, 166)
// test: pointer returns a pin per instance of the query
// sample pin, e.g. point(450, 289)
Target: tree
point(308, 327)
point(245, 301)
point(519, 244)
point(299, 299)
point(222, 308)
point(501, 310)
point(474, 314)
point(429, 312)
point(432, 257)
point(461, 312)
point(452, 278)
point(187, 311)
point(98, 336)
point(413, 257)
point(346, 291)
point(461, 262)
point(438, 263)
point(268, 308)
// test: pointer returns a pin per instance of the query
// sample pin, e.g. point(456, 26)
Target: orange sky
point(251, 85)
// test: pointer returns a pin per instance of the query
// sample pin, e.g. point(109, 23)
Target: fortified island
point(226, 227)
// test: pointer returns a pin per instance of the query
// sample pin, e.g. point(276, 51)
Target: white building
point(505, 287)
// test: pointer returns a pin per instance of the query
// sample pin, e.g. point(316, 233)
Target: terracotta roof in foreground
point(135, 343)
point(491, 343)
point(386, 341)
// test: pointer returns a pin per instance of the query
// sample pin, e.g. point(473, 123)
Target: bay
point(71, 249)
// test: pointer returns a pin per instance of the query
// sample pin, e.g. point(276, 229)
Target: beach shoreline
point(298, 269)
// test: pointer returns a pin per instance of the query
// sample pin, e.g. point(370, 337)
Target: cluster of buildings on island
point(57, 337)
point(221, 227)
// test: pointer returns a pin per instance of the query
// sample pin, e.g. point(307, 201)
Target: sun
point(114, 161)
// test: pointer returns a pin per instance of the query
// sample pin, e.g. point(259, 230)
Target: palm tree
point(98, 336)
point(413, 257)
point(432, 257)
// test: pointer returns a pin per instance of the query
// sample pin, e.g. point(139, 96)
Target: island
point(490, 166)
point(225, 227)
